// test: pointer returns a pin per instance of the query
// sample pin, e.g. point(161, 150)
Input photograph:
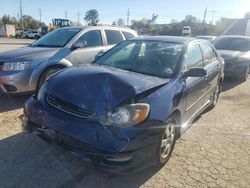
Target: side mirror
point(195, 72)
point(99, 54)
point(79, 44)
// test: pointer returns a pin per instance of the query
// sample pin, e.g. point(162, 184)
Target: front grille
point(70, 141)
point(68, 107)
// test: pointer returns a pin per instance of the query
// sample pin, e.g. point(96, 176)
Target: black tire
point(216, 95)
point(45, 76)
point(161, 158)
point(243, 76)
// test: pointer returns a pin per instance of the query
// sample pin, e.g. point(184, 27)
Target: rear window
point(127, 35)
point(235, 44)
point(113, 37)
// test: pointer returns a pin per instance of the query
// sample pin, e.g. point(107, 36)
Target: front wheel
point(167, 142)
point(46, 74)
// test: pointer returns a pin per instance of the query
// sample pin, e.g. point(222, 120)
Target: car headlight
point(42, 91)
point(16, 66)
point(127, 115)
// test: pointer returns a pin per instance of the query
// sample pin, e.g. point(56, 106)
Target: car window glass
point(123, 54)
point(194, 57)
point(127, 35)
point(230, 43)
point(92, 38)
point(151, 58)
point(208, 53)
point(113, 37)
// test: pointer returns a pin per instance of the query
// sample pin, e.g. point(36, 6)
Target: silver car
point(25, 69)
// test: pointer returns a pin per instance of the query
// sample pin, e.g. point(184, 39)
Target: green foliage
point(92, 17)
point(144, 26)
point(28, 22)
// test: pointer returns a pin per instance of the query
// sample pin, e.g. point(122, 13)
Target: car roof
point(100, 27)
point(234, 36)
point(173, 39)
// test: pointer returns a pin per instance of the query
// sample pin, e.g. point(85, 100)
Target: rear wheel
point(46, 74)
point(167, 142)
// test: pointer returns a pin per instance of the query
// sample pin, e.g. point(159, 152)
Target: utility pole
point(128, 18)
point(40, 15)
point(65, 14)
point(213, 12)
point(21, 14)
point(205, 15)
point(78, 18)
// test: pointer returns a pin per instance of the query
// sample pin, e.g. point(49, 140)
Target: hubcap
point(167, 140)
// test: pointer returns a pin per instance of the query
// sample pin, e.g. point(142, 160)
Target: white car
point(33, 35)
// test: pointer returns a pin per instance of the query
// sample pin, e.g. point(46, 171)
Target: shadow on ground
point(230, 83)
point(27, 159)
point(9, 102)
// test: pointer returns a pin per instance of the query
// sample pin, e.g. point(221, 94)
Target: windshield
point(57, 38)
point(235, 44)
point(152, 58)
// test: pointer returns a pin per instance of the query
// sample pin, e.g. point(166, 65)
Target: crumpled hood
point(230, 54)
point(97, 88)
point(28, 53)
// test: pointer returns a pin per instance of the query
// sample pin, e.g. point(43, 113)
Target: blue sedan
point(126, 110)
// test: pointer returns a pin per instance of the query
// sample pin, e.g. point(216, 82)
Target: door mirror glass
point(195, 72)
point(79, 44)
point(99, 54)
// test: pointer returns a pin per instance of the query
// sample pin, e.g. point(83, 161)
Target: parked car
point(209, 38)
point(126, 109)
point(33, 35)
point(186, 31)
point(236, 52)
point(25, 69)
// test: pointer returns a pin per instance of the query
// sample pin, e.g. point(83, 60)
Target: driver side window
point(92, 38)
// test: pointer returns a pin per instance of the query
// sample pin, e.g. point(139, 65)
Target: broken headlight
point(127, 115)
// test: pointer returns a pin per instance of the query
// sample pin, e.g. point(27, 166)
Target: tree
point(120, 22)
point(28, 22)
point(92, 17)
point(141, 26)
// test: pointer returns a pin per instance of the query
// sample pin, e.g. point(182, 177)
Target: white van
point(186, 31)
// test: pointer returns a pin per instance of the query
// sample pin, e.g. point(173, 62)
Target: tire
point(167, 142)
point(216, 95)
point(244, 75)
point(45, 76)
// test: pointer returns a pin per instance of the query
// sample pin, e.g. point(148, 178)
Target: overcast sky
point(110, 10)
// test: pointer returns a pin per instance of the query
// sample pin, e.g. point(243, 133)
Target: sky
point(111, 10)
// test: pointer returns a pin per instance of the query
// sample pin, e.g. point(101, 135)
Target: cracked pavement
point(214, 152)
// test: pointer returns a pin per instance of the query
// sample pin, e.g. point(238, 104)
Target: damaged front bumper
point(115, 150)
